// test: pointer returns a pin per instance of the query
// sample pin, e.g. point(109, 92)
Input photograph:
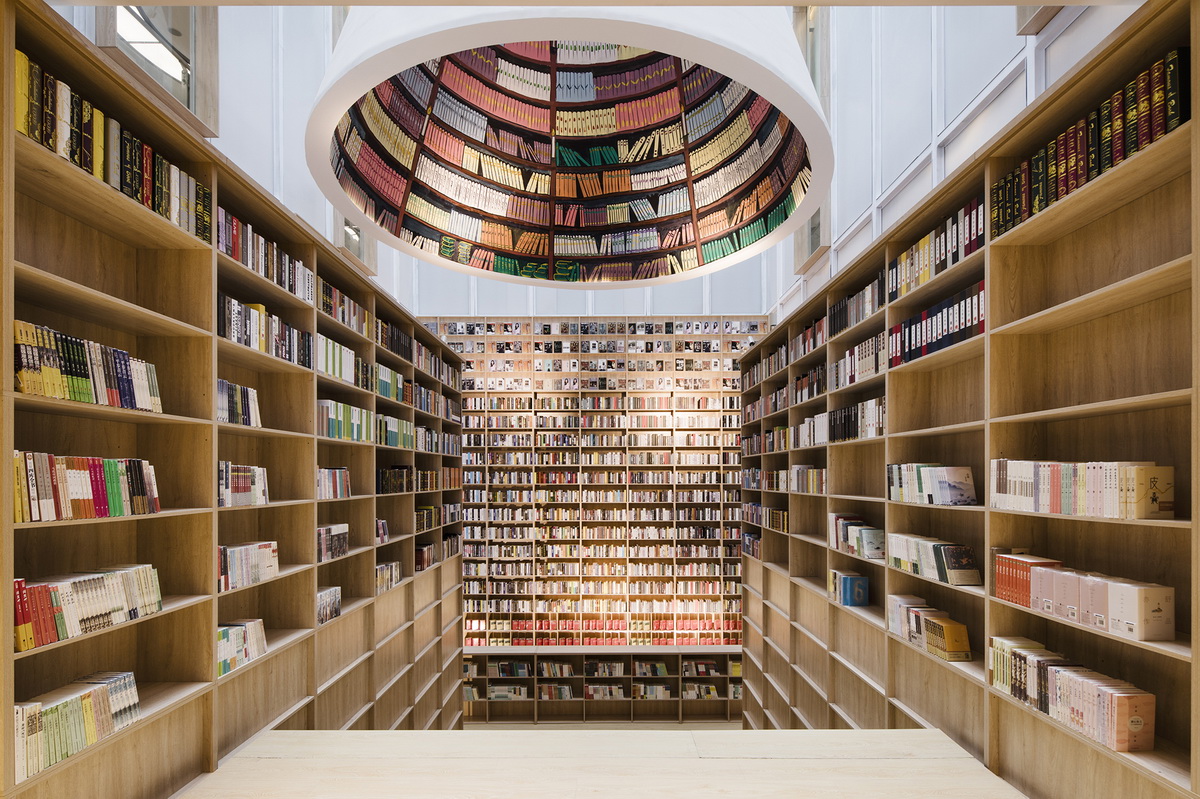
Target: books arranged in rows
point(630, 115)
point(509, 668)
point(774, 518)
point(848, 588)
point(345, 422)
point(341, 362)
point(425, 557)
point(387, 576)
point(460, 154)
point(239, 241)
point(333, 483)
point(394, 339)
point(928, 628)
point(329, 603)
point(752, 545)
point(1114, 713)
point(547, 668)
point(658, 143)
point(953, 320)
point(730, 139)
point(240, 485)
point(382, 536)
point(506, 693)
point(533, 83)
point(719, 183)
point(481, 196)
point(643, 690)
point(866, 419)
point(50, 113)
point(333, 541)
point(948, 243)
point(853, 535)
point(52, 364)
point(640, 210)
point(864, 360)
point(1131, 609)
point(237, 404)
point(603, 692)
point(1104, 489)
point(700, 690)
point(931, 484)
point(656, 668)
point(849, 311)
point(239, 642)
point(1149, 106)
point(554, 691)
point(393, 432)
point(60, 608)
point(50, 488)
point(484, 99)
point(251, 325)
point(701, 668)
point(586, 87)
point(946, 562)
point(706, 117)
point(241, 565)
point(52, 727)
point(766, 366)
point(577, 52)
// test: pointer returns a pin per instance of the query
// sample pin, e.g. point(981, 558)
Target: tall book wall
point(601, 488)
point(1001, 546)
point(204, 395)
point(628, 165)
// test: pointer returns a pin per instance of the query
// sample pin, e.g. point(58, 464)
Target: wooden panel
point(246, 701)
point(338, 704)
point(341, 642)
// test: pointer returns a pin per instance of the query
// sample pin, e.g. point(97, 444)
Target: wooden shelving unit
point(83, 258)
point(1078, 296)
point(577, 684)
point(573, 438)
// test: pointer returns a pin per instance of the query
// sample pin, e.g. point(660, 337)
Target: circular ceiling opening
point(567, 163)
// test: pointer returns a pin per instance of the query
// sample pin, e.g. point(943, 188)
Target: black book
point(49, 101)
point(1093, 145)
point(1038, 176)
point(75, 145)
point(1178, 88)
point(135, 159)
point(1051, 171)
point(1106, 130)
point(86, 138)
point(1131, 118)
point(127, 174)
point(35, 102)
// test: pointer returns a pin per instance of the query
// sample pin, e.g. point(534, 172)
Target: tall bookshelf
point(601, 486)
point(81, 257)
point(1075, 296)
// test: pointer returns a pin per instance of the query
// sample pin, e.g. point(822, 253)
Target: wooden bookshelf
point(576, 684)
point(572, 436)
point(1073, 296)
point(82, 258)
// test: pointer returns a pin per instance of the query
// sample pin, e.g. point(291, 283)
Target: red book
point(1062, 164)
point(1143, 110)
point(1158, 100)
point(49, 634)
point(1118, 127)
point(147, 195)
point(20, 614)
point(59, 497)
point(1081, 150)
point(99, 488)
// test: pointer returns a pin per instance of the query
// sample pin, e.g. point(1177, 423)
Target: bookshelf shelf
point(87, 260)
point(1058, 373)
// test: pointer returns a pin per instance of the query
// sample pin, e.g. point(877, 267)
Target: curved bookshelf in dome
point(569, 163)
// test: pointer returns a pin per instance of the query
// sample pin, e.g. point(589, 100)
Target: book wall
point(175, 457)
point(997, 524)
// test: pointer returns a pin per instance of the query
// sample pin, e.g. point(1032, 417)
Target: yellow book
point(89, 720)
point(261, 333)
point(20, 491)
point(98, 135)
point(1154, 492)
point(22, 94)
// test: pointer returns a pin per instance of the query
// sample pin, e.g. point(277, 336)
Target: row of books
point(1148, 107)
point(585, 87)
point(239, 485)
point(863, 360)
point(49, 112)
point(866, 419)
point(333, 483)
point(1114, 713)
point(60, 608)
point(658, 143)
point(848, 588)
point(1106, 489)
point(960, 235)
point(246, 564)
point(684, 327)
point(603, 383)
point(697, 81)
point(238, 642)
point(340, 362)
point(931, 484)
point(329, 603)
point(52, 364)
point(333, 541)
point(849, 311)
point(256, 252)
point(949, 322)
point(52, 727)
point(50, 488)
point(393, 432)
point(630, 115)
point(712, 112)
point(335, 303)
point(1131, 609)
point(457, 152)
point(491, 102)
point(579, 52)
point(387, 576)
point(251, 325)
point(928, 628)
point(852, 534)
point(237, 404)
point(933, 558)
point(719, 183)
point(643, 209)
point(730, 604)
point(344, 422)
point(526, 81)
point(373, 170)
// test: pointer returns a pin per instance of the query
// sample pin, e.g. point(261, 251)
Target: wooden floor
point(579, 764)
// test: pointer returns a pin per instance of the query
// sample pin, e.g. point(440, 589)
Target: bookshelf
point(1071, 297)
point(575, 684)
point(82, 258)
point(587, 163)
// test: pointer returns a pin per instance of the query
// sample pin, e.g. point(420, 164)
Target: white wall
point(915, 92)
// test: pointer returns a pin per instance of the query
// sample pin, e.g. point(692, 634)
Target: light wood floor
point(601, 764)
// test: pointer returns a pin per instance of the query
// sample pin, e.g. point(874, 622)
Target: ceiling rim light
point(752, 45)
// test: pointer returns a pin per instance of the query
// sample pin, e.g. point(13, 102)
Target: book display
point(1005, 552)
point(601, 482)
point(659, 684)
point(568, 162)
point(161, 336)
